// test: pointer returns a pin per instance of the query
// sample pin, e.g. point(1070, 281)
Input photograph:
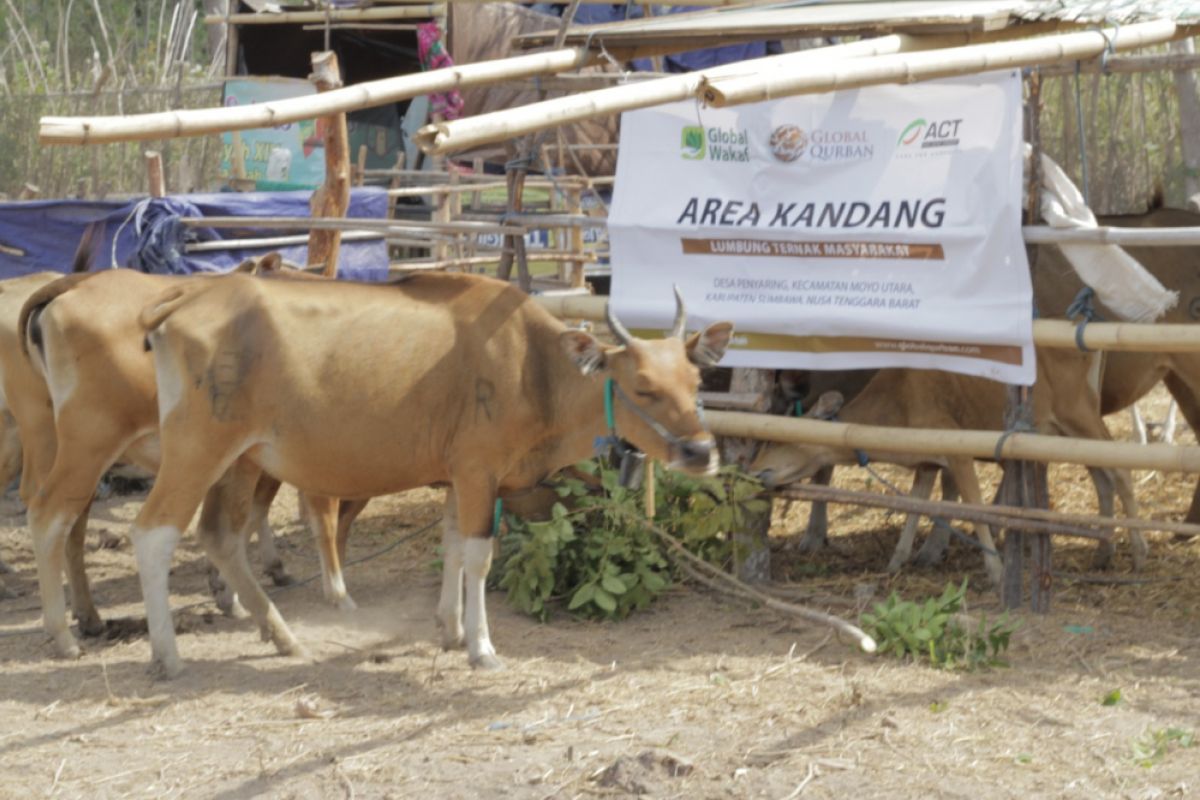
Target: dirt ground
point(698, 697)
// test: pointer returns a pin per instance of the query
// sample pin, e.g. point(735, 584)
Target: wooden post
point(514, 245)
point(650, 489)
point(29, 192)
point(752, 556)
point(360, 167)
point(231, 40)
point(156, 182)
point(333, 198)
point(574, 269)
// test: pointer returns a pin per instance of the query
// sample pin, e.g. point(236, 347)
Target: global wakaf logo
point(691, 143)
point(787, 143)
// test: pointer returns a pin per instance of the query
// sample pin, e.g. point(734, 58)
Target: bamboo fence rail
point(882, 442)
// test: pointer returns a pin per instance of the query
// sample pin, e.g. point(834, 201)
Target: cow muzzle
point(697, 456)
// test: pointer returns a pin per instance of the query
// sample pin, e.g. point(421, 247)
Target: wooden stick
point(197, 122)
point(912, 67)
point(1113, 336)
point(1128, 64)
point(888, 443)
point(156, 183)
point(997, 515)
point(332, 198)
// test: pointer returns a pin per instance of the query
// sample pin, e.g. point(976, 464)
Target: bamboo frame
point(884, 442)
point(273, 241)
point(909, 68)
point(197, 122)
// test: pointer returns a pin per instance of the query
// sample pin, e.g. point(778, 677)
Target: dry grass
point(696, 698)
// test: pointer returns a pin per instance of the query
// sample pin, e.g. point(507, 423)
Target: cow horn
point(614, 324)
point(680, 315)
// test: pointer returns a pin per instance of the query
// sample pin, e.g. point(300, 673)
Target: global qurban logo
point(789, 143)
point(714, 144)
point(926, 134)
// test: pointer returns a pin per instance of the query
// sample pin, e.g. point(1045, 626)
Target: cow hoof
point(66, 647)
point(234, 609)
point(487, 662)
point(1103, 558)
point(160, 670)
point(1138, 544)
point(92, 626)
point(453, 637)
point(896, 564)
point(278, 575)
point(346, 603)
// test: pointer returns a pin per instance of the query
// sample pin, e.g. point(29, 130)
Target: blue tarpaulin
point(44, 234)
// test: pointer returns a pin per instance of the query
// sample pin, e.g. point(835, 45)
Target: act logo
point(692, 144)
point(927, 134)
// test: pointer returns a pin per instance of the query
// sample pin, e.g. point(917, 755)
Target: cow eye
point(647, 395)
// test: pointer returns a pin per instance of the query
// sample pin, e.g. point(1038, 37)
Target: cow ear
point(584, 350)
point(250, 265)
point(827, 406)
point(271, 262)
point(706, 348)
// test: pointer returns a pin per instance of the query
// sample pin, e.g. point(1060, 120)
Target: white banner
point(867, 228)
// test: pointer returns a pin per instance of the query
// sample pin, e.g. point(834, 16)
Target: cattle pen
point(708, 697)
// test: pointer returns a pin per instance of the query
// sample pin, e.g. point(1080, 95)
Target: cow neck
point(579, 414)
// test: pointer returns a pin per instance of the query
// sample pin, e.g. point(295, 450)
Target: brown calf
point(352, 390)
point(1063, 403)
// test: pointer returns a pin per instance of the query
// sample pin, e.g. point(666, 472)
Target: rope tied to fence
point(1083, 307)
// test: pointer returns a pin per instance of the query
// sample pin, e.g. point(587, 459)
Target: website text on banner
point(867, 228)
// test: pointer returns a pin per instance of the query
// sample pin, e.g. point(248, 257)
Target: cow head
point(779, 463)
point(655, 385)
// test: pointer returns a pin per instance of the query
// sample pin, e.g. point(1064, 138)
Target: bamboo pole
point(197, 122)
point(461, 134)
point(272, 241)
point(909, 68)
point(885, 442)
point(415, 11)
point(344, 224)
point(332, 198)
point(1126, 237)
point(1114, 336)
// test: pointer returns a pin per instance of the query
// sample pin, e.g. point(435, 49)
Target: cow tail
point(167, 303)
point(29, 322)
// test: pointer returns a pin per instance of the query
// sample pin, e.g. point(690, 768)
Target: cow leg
point(222, 523)
point(1139, 424)
point(348, 511)
point(323, 516)
point(816, 536)
point(1189, 405)
point(1104, 496)
point(54, 510)
point(1167, 436)
point(272, 564)
point(922, 488)
point(450, 605)
point(82, 605)
point(1123, 482)
point(968, 483)
point(475, 507)
point(938, 541)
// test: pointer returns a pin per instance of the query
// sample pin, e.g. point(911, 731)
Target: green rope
point(499, 510)
point(608, 405)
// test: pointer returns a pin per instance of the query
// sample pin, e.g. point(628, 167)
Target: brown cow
point(1130, 376)
point(354, 390)
point(84, 400)
point(1063, 403)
